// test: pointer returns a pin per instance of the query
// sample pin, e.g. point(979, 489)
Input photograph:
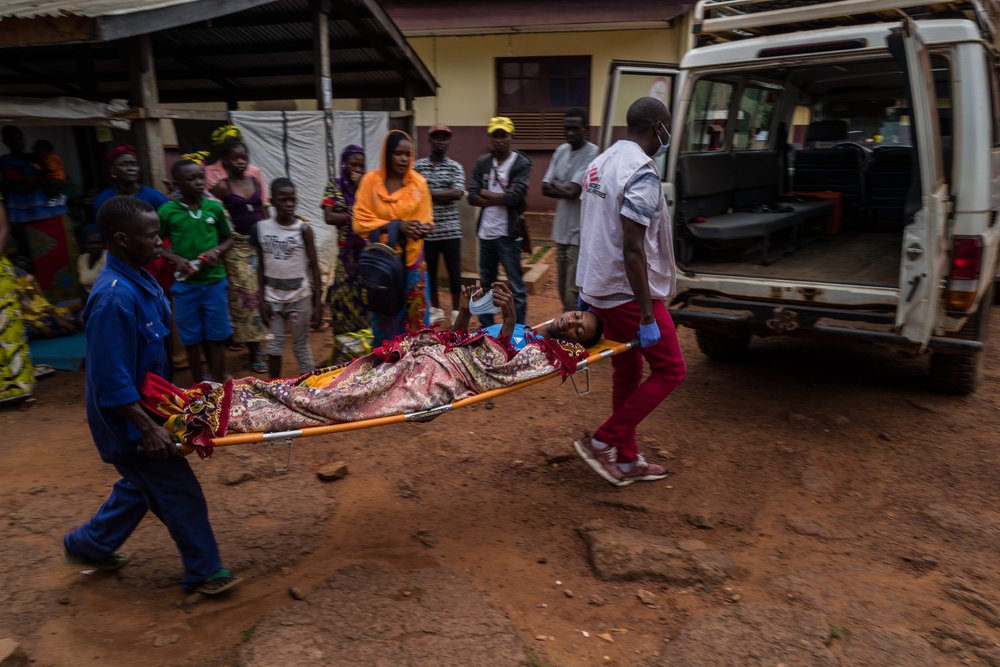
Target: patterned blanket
point(416, 371)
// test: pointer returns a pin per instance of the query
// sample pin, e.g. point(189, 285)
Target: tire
point(960, 373)
point(722, 346)
point(956, 373)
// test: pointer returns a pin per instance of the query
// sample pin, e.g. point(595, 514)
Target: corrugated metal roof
point(262, 52)
point(31, 9)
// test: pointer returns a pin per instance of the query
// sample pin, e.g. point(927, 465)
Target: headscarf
point(118, 151)
point(198, 157)
point(224, 133)
point(375, 206)
point(348, 187)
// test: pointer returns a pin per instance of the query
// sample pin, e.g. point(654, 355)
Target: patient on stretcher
point(417, 371)
point(581, 326)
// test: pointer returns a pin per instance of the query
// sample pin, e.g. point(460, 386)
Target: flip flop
point(42, 370)
point(115, 561)
point(218, 583)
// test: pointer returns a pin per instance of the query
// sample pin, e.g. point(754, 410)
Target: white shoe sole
point(596, 466)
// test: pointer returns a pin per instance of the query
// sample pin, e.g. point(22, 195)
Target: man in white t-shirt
point(500, 186)
point(563, 181)
point(625, 272)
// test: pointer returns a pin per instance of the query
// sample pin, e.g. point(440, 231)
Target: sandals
point(115, 561)
point(218, 583)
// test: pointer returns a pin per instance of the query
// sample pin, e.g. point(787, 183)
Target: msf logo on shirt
point(592, 184)
point(278, 248)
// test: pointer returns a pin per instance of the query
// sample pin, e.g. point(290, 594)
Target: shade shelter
point(155, 53)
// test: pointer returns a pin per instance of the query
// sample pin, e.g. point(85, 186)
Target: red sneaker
point(603, 461)
point(641, 472)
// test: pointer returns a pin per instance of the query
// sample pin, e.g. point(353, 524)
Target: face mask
point(664, 147)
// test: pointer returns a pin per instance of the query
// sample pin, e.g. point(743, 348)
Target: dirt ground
point(857, 512)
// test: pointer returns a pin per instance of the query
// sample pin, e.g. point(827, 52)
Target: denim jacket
point(128, 326)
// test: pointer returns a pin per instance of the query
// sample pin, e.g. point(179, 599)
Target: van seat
point(727, 198)
point(889, 179)
point(835, 169)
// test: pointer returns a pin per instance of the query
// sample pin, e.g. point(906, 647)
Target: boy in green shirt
point(200, 232)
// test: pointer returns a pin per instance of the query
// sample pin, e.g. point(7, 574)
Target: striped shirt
point(444, 176)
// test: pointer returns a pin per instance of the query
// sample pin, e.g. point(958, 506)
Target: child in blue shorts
point(199, 233)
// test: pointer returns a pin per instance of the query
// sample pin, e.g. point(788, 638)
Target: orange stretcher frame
point(601, 350)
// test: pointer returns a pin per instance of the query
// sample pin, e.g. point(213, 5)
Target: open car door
point(627, 82)
point(924, 250)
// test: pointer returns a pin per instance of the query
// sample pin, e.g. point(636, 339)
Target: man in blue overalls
point(128, 322)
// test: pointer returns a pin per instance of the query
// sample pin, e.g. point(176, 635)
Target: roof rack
point(728, 20)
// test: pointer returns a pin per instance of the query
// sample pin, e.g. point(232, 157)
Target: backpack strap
point(394, 230)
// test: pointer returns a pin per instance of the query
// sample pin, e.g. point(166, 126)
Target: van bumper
point(779, 319)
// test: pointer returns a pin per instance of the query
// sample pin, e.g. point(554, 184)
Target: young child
point(92, 259)
point(289, 278)
point(55, 171)
point(199, 233)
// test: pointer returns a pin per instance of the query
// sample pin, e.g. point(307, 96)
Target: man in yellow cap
point(500, 186)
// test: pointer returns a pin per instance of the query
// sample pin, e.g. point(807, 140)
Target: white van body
point(835, 172)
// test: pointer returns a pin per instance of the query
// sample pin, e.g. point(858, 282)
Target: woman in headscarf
point(38, 218)
point(17, 376)
point(242, 196)
point(123, 165)
point(348, 314)
point(396, 192)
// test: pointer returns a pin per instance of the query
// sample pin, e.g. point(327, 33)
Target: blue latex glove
point(649, 334)
point(581, 304)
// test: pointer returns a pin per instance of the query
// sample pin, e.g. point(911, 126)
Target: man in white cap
point(446, 181)
point(500, 185)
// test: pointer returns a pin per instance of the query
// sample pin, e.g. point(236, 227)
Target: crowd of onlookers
point(239, 261)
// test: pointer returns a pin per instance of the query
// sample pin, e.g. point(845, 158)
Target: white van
point(835, 172)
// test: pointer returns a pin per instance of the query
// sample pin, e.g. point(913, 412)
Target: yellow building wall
point(465, 68)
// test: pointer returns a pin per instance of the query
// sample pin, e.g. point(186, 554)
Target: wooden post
point(148, 132)
point(321, 54)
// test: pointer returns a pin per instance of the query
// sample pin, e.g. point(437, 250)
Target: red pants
point(632, 400)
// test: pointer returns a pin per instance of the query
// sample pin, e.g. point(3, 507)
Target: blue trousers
point(171, 491)
point(506, 251)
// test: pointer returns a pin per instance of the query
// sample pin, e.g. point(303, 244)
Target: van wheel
point(956, 373)
point(722, 346)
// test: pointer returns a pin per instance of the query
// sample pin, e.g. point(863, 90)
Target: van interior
point(805, 173)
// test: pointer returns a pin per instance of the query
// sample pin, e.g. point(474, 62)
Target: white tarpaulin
point(57, 110)
point(364, 128)
point(296, 144)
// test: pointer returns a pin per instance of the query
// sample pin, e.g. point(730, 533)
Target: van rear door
point(924, 249)
point(627, 82)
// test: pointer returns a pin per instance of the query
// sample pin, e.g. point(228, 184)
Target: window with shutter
point(535, 93)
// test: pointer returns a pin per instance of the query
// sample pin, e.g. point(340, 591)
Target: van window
point(799, 126)
point(707, 123)
point(753, 119)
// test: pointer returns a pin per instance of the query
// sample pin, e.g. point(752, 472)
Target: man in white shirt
point(563, 182)
point(625, 272)
point(500, 185)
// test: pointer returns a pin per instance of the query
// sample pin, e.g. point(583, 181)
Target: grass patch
point(837, 632)
point(535, 661)
point(247, 634)
point(538, 254)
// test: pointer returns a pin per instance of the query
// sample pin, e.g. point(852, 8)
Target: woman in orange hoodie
point(396, 192)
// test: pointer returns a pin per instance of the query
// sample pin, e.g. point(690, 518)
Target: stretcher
point(603, 349)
